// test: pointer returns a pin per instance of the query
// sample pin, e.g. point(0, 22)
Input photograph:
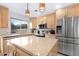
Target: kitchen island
point(5, 37)
point(33, 46)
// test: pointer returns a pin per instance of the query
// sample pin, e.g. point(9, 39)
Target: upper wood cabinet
point(77, 10)
point(46, 19)
point(33, 22)
point(39, 20)
point(3, 17)
point(59, 13)
point(73, 10)
point(51, 21)
point(69, 11)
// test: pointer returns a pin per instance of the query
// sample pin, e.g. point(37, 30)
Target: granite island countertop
point(39, 46)
point(15, 35)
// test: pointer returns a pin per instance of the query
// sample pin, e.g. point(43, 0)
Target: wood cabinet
point(41, 20)
point(59, 13)
point(37, 20)
point(51, 21)
point(73, 10)
point(3, 45)
point(77, 10)
point(46, 19)
point(21, 53)
point(33, 21)
point(3, 17)
point(53, 51)
point(69, 11)
point(17, 51)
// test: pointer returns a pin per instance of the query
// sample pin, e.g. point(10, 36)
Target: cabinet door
point(34, 23)
point(50, 20)
point(71, 11)
point(3, 17)
point(0, 44)
point(0, 19)
point(53, 51)
point(11, 50)
point(53, 21)
point(21, 53)
point(77, 10)
point(59, 13)
point(5, 46)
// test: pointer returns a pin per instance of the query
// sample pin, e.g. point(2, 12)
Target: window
point(23, 25)
point(18, 26)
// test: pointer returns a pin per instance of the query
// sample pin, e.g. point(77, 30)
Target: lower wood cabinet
point(53, 51)
point(21, 53)
point(16, 51)
point(3, 45)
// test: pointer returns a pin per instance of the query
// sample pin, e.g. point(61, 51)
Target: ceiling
point(21, 7)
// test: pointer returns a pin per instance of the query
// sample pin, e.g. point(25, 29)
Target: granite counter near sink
point(36, 46)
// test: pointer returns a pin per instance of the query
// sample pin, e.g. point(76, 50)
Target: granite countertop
point(39, 46)
point(15, 35)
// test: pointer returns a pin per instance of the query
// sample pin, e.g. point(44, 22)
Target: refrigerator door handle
point(65, 27)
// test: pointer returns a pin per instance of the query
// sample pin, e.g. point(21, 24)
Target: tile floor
point(60, 54)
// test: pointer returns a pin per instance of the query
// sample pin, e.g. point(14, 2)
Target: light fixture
point(41, 6)
point(27, 12)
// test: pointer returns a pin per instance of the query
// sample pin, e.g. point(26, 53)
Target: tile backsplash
point(4, 31)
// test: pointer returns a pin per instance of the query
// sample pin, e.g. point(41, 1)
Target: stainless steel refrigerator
point(69, 36)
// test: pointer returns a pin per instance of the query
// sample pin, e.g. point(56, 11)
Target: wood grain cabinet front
point(3, 17)
point(77, 10)
point(33, 21)
point(71, 11)
point(59, 13)
point(50, 20)
point(21, 53)
point(53, 51)
point(17, 51)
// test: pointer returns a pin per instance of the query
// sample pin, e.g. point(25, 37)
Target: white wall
point(14, 15)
